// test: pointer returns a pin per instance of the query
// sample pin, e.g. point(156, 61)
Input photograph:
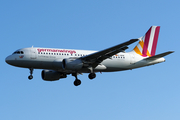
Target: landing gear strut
point(77, 82)
point(31, 72)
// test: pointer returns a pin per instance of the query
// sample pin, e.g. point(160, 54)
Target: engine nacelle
point(72, 64)
point(51, 75)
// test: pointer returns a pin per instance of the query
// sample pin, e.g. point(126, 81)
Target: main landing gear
point(31, 72)
point(92, 76)
point(77, 82)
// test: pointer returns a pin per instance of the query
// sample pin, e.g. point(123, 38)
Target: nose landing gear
point(31, 72)
point(30, 77)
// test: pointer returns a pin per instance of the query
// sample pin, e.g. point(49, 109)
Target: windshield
point(18, 52)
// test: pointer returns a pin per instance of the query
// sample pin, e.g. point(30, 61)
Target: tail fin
point(147, 44)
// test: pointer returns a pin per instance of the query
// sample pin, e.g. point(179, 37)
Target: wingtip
point(171, 51)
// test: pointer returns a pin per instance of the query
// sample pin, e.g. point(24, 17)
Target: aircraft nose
point(8, 60)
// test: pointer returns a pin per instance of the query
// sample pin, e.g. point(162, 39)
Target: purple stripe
point(146, 42)
point(153, 51)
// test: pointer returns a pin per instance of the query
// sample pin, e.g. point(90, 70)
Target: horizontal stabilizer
point(159, 55)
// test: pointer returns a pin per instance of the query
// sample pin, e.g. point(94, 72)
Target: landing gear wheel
point(92, 76)
point(77, 82)
point(30, 77)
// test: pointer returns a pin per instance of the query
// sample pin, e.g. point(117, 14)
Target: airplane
point(58, 63)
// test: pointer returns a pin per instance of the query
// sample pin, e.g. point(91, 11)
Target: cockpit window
point(15, 52)
point(18, 52)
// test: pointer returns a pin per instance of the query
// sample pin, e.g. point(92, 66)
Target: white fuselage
point(50, 58)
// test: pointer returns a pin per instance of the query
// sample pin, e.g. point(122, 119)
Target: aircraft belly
point(116, 64)
point(38, 64)
point(57, 64)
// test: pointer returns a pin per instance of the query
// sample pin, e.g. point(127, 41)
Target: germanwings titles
point(58, 63)
point(56, 50)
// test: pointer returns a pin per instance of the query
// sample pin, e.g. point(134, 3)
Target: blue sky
point(150, 93)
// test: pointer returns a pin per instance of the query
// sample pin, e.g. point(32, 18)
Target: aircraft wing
point(95, 58)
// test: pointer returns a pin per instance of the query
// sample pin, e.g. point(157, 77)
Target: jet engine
point(51, 75)
point(72, 64)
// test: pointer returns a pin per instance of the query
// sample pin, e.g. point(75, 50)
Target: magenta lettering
point(56, 50)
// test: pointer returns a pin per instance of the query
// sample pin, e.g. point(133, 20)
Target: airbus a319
point(58, 63)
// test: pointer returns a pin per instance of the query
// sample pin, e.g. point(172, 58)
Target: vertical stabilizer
point(147, 44)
